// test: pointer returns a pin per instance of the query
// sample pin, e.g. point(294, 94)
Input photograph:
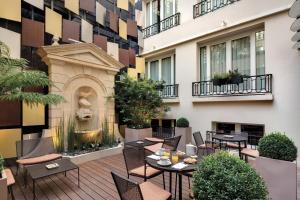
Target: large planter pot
point(280, 177)
point(137, 134)
point(186, 137)
point(236, 80)
point(3, 186)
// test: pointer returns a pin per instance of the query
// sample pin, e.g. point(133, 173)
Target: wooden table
point(191, 167)
point(39, 171)
point(235, 138)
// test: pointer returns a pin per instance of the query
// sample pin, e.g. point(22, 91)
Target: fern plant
point(15, 77)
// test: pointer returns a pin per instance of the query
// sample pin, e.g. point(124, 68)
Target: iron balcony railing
point(207, 6)
point(169, 91)
point(164, 24)
point(251, 85)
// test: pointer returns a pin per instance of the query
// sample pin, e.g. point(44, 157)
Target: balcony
point(207, 6)
point(251, 85)
point(164, 25)
point(169, 91)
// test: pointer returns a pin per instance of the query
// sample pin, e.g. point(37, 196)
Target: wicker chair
point(136, 165)
point(210, 143)
point(232, 145)
point(168, 143)
point(130, 190)
point(199, 140)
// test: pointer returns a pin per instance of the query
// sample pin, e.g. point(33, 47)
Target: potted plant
point(277, 165)
point(138, 102)
point(234, 77)
point(220, 79)
point(224, 176)
point(3, 181)
point(183, 128)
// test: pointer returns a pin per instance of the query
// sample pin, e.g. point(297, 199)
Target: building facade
point(191, 41)
point(27, 25)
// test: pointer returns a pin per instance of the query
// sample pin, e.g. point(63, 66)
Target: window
point(148, 23)
point(203, 64)
point(237, 53)
point(241, 55)
point(218, 58)
point(161, 69)
point(168, 8)
point(154, 11)
point(260, 52)
point(154, 70)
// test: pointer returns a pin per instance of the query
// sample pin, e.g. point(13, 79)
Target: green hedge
point(221, 176)
point(277, 146)
point(182, 122)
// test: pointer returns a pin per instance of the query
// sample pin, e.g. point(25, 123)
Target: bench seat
point(39, 159)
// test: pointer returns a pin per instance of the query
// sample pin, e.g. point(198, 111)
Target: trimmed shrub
point(277, 146)
point(182, 122)
point(225, 177)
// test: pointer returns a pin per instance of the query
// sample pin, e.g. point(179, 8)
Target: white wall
point(281, 114)
point(236, 13)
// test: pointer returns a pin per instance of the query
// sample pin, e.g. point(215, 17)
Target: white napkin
point(154, 157)
point(180, 165)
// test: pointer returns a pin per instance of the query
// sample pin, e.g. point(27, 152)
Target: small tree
point(138, 101)
point(15, 77)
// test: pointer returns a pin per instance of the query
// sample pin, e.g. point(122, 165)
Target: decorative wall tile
point(101, 41)
point(113, 21)
point(140, 39)
point(131, 57)
point(71, 30)
point(123, 4)
point(10, 9)
point(32, 33)
point(122, 29)
point(100, 14)
point(53, 22)
point(86, 31)
point(124, 56)
point(139, 17)
point(140, 65)
point(72, 5)
point(12, 40)
point(10, 113)
point(132, 28)
point(88, 5)
point(37, 3)
point(113, 50)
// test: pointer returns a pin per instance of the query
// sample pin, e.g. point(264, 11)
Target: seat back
point(35, 147)
point(171, 143)
point(133, 157)
point(205, 151)
point(198, 138)
point(127, 189)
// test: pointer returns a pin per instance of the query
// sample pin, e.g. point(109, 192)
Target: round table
point(170, 169)
point(235, 139)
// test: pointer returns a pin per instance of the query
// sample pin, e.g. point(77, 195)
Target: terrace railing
point(251, 85)
point(207, 6)
point(169, 91)
point(163, 25)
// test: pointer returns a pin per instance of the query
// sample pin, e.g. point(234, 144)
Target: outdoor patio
point(95, 182)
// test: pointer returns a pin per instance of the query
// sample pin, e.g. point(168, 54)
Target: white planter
point(137, 134)
point(79, 159)
point(186, 137)
point(280, 177)
point(3, 186)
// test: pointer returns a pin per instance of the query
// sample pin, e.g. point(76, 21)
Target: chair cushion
point(232, 145)
point(250, 152)
point(153, 192)
point(153, 139)
point(139, 171)
point(40, 159)
point(154, 148)
point(10, 177)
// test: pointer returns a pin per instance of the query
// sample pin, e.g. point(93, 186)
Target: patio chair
point(130, 190)
point(35, 151)
point(213, 144)
point(168, 143)
point(199, 140)
point(136, 165)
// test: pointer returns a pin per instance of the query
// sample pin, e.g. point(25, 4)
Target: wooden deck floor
point(96, 183)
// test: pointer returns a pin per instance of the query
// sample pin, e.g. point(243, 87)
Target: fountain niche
point(84, 75)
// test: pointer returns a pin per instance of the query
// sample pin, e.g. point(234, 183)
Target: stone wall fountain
point(84, 74)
